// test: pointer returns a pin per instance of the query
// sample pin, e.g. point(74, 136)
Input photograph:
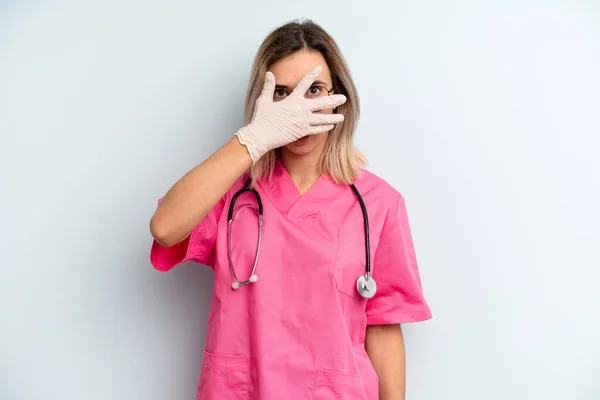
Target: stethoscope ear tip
point(237, 284)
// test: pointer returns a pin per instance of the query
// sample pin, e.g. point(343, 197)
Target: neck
point(304, 169)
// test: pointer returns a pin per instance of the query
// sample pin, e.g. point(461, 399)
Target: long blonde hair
point(340, 159)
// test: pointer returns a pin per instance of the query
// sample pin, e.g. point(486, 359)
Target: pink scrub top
point(299, 331)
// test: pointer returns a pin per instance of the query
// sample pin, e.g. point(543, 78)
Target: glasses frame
point(323, 87)
point(329, 91)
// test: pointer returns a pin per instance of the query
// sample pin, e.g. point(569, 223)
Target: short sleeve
point(399, 297)
point(199, 245)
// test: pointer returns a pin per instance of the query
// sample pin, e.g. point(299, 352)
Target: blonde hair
point(340, 159)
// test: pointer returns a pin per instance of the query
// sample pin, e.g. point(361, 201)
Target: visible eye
point(315, 91)
point(279, 94)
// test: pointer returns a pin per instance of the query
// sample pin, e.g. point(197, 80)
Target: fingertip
point(328, 128)
point(337, 119)
point(269, 85)
point(269, 78)
point(341, 101)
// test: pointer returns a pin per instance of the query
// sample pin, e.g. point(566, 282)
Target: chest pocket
point(350, 259)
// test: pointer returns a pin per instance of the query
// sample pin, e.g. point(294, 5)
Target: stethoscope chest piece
point(366, 286)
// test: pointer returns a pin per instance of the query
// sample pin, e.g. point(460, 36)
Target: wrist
point(241, 151)
point(245, 138)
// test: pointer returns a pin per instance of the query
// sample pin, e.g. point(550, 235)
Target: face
point(288, 72)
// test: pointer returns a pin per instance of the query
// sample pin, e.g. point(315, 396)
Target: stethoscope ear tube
point(253, 278)
point(245, 189)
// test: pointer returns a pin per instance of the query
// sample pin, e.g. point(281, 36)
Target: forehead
point(291, 69)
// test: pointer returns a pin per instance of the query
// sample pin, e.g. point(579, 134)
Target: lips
point(302, 140)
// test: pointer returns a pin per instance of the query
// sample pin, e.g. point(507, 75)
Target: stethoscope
point(365, 284)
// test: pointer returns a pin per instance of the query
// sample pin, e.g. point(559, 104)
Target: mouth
point(301, 141)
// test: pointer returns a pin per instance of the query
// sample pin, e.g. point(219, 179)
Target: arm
point(385, 347)
point(193, 196)
point(275, 124)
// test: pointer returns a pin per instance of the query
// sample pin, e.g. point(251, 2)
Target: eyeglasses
point(313, 92)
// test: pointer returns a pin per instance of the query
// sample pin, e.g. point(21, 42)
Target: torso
point(299, 331)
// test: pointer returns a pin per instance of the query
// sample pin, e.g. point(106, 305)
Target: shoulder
point(374, 187)
point(384, 202)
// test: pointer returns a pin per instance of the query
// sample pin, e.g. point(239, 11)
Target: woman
point(295, 325)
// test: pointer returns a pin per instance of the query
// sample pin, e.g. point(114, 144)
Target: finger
point(269, 86)
point(306, 82)
point(327, 102)
point(321, 128)
point(325, 119)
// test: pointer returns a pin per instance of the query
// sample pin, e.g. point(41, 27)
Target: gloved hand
point(276, 124)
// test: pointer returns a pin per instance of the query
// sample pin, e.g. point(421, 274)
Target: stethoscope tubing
point(259, 211)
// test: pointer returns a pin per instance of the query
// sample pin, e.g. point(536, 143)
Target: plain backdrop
point(484, 114)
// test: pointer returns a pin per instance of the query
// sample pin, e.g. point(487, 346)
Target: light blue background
point(484, 114)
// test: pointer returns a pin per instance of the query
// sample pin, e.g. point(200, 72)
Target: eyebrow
point(317, 82)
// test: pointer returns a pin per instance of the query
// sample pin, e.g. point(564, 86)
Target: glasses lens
point(316, 91)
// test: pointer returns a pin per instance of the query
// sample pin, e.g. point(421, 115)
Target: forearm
point(385, 347)
point(195, 194)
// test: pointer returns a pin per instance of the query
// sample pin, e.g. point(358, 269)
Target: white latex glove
point(276, 124)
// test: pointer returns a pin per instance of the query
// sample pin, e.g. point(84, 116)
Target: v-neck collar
point(289, 200)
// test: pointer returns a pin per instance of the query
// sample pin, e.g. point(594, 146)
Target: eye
point(279, 94)
point(315, 91)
